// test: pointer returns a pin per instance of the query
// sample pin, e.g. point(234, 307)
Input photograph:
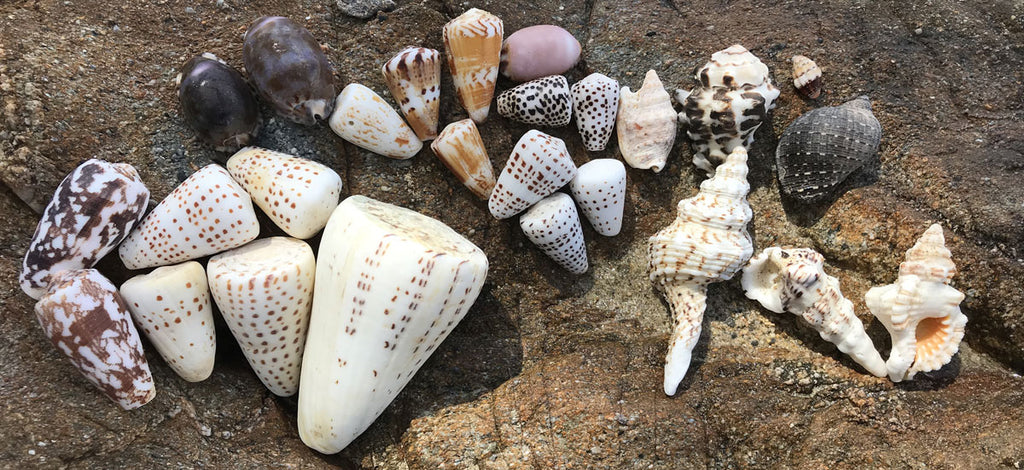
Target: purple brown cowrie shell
point(538, 51)
point(217, 103)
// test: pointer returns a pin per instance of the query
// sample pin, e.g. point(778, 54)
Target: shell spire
point(472, 44)
point(646, 124)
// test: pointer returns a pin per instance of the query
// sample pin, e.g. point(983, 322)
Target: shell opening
point(931, 334)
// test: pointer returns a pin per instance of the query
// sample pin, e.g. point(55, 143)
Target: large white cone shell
point(390, 285)
point(538, 166)
point(646, 124)
point(171, 305)
point(264, 290)
point(554, 226)
point(600, 189)
point(364, 119)
point(297, 194)
point(595, 100)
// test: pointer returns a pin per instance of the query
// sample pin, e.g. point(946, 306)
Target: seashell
point(217, 103)
point(461, 149)
point(595, 99)
point(921, 310)
point(172, 307)
point(92, 211)
point(538, 166)
point(414, 78)
point(600, 189)
point(288, 69)
point(538, 51)
point(472, 44)
point(86, 319)
point(708, 242)
point(543, 102)
point(264, 290)
point(646, 124)
point(806, 77)
point(723, 112)
point(823, 146)
point(390, 285)
point(363, 118)
point(794, 280)
point(297, 194)
point(554, 226)
point(206, 214)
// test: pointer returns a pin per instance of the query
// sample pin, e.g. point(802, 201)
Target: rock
point(364, 8)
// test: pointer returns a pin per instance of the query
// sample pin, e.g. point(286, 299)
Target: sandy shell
point(543, 102)
point(217, 103)
point(646, 124)
point(461, 149)
point(806, 77)
point(595, 100)
point(600, 189)
point(538, 51)
point(414, 78)
point(554, 226)
point(538, 166)
point(472, 44)
point(363, 118)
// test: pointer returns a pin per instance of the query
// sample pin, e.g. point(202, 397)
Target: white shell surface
point(600, 189)
point(472, 44)
point(646, 124)
point(363, 118)
point(538, 166)
point(391, 284)
point(461, 149)
point(733, 67)
point(595, 100)
point(554, 226)
point(414, 78)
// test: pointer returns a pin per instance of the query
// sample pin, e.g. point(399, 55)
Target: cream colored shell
point(461, 149)
point(646, 124)
point(472, 44)
point(363, 118)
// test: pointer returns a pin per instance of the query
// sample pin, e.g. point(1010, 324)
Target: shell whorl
point(929, 258)
point(733, 67)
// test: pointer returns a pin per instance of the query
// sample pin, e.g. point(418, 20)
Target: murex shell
point(288, 69)
point(472, 44)
point(794, 280)
point(391, 284)
point(542, 102)
point(554, 226)
point(92, 211)
point(824, 146)
point(538, 166)
point(723, 112)
point(217, 103)
point(595, 100)
point(600, 189)
point(363, 118)
point(538, 51)
point(708, 242)
point(806, 77)
point(646, 124)
point(414, 78)
point(461, 149)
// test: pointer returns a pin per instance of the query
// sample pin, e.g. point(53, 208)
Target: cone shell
point(462, 150)
point(472, 44)
point(806, 77)
point(646, 124)
point(86, 319)
point(391, 284)
point(595, 100)
point(171, 305)
point(538, 51)
point(538, 166)
point(217, 103)
point(297, 194)
point(92, 211)
point(264, 290)
point(600, 189)
point(363, 118)
point(207, 213)
point(554, 226)
point(542, 102)
point(414, 78)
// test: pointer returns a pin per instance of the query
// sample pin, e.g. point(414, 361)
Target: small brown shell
point(806, 77)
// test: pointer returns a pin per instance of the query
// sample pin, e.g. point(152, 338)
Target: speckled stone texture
point(549, 369)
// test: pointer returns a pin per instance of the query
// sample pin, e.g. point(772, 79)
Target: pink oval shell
point(538, 51)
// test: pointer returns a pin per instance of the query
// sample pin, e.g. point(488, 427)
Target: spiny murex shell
point(554, 226)
point(461, 149)
point(390, 285)
point(538, 166)
point(472, 44)
point(806, 77)
point(794, 280)
point(363, 118)
point(921, 310)
point(708, 242)
point(414, 78)
point(824, 146)
point(91, 212)
point(595, 100)
point(542, 102)
point(732, 100)
point(646, 124)
point(217, 103)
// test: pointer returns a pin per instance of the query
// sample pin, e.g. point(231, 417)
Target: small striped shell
point(806, 77)
point(472, 44)
point(538, 166)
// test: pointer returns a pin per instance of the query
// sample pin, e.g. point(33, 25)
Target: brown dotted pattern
point(554, 226)
point(472, 45)
point(595, 100)
point(600, 189)
point(414, 78)
point(363, 118)
point(646, 124)
point(538, 166)
point(462, 150)
point(542, 102)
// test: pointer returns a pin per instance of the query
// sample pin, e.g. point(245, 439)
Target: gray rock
point(364, 8)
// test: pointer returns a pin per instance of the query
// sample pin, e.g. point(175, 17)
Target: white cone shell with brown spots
point(414, 78)
point(600, 189)
point(646, 124)
point(461, 149)
point(391, 284)
point(264, 291)
point(554, 226)
point(595, 100)
point(363, 118)
point(538, 166)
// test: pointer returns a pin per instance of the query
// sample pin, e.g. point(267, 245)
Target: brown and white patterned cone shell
point(414, 78)
point(554, 226)
point(472, 44)
point(363, 118)
point(538, 166)
point(595, 100)
point(461, 149)
point(646, 124)
point(600, 189)
point(806, 77)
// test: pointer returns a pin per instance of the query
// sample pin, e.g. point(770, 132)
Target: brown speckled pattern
point(554, 226)
point(538, 166)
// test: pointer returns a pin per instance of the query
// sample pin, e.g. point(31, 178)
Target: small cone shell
point(646, 124)
point(172, 307)
point(472, 43)
point(806, 77)
point(600, 189)
point(390, 285)
point(86, 319)
point(462, 150)
point(595, 100)
point(414, 78)
point(543, 102)
point(297, 194)
point(538, 166)
point(264, 290)
point(554, 226)
point(364, 119)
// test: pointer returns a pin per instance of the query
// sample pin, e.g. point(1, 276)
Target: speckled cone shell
point(595, 100)
point(538, 51)
point(472, 44)
point(544, 102)
point(207, 213)
point(414, 78)
point(794, 280)
point(538, 166)
point(921, 310)
point(86, 319)
point(708, 242)
point(363, 118)
point(806, 77)
point(554, 226)
point(91, 212)
point(600, 189)
point(264, 290)
point(171, 305)
point(461, 149)
point(390, 285)
point(297, 194)
point(646, 124)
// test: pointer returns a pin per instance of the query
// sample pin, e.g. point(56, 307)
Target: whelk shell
point(646, 124)
point(472, 44)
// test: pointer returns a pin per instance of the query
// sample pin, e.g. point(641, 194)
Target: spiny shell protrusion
point(217, 103)
point(542, 102)
point(600, 189)
point(472, 44)
point(806, 77)
point(414, 78)
point(538, 51)
point(538, 166)
point(595, 100)
point(461, 149)
point(363, 118)
point(554, 226)
point(646, 124)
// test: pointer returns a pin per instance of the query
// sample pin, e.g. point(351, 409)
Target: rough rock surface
point(550, 370)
